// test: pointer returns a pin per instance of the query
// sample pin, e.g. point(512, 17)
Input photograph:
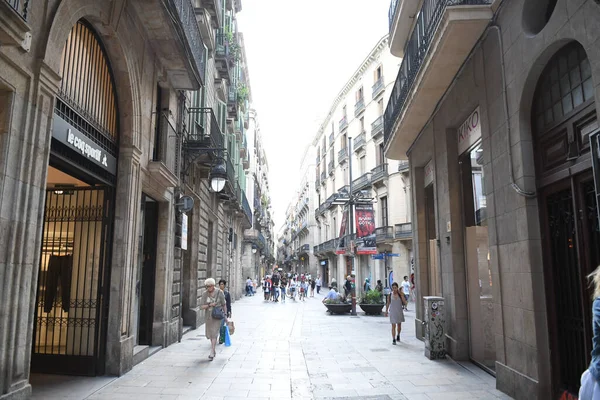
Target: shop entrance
point(564, 117)
point(70, 313)
point(435, 285)
point(147, 270)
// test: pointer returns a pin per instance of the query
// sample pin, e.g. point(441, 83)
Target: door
point(147, 271)
point(71, 304)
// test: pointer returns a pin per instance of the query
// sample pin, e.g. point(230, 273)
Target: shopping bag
point(231, 327)
point(222, 332)
point(227, 337)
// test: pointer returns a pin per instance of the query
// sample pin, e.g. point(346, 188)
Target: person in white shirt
point(406, 291)
point(318, 282)
point(249, 287)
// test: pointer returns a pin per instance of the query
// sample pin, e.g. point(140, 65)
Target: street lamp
point(218, 177)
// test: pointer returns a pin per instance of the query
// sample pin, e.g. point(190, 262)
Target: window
point(345, 173)
point(384, 211)
point(362, 124)
point(361, 163)
point(359, 94)
point(344, 141)
point(380, 154)
point(333, 226)
point(377, 74)
point(380, 107)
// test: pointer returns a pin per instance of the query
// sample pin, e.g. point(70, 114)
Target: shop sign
point(469, 132)
point(365, 229)
point(184, 232)
point(73, 138)
point(429, 173)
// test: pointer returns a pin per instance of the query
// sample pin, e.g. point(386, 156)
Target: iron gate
point(71, 305)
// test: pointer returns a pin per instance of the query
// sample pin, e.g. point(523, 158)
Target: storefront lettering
point(469, 131)
point(86, 149)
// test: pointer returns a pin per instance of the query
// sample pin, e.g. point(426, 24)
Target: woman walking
point(212, 298)
point(395, 304)
point(312, 287)
point(590, 387)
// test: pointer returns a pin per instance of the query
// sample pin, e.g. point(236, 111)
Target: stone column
point(25, 131)
point(435, 337)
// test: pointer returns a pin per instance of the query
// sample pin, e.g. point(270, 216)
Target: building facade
point(362, 166)
point(110, 113)
point(496, 108)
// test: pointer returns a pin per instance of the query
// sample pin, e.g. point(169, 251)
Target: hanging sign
point(341, 249)
point(68, 135)
point(184, 231)
point(469, 132)
point(429, 173)
point(365, 229)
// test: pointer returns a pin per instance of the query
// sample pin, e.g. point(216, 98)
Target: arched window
point(87, 96)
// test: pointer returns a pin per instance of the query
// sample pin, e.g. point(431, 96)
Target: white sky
point(300, 54)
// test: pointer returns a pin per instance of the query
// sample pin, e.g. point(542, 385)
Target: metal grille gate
point(71, 306)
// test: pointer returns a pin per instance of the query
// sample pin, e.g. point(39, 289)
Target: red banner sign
point(365, 229)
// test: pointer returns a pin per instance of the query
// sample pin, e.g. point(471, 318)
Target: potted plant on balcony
point(371, 302)
point(338, 306)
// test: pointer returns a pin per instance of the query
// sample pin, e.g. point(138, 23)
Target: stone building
point(110, 112)
point(496, 105)
point(340, 252)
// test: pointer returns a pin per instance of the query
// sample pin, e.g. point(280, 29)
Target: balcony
point(247, 221)
point(329, 246)
point(331, 167)
point(445, 32)
point(343, 155)
point(323, 177)
point(246, 161)
point(173, 31)
point(359, 107)
point(384, 234)
point(14, 30)
point(378, 87)
point(403, 231)
point(215, 9)
point(377, 127)
point(202, 131)
point(238, 129)
point(403, 166)
point(343, 123)
point(362, 182)
point(232, 102)
point(164, 166)
point(304, 249)
point(360, 141)
point(223, 58)
point(331, 139)
point(317, 184)
point(243, 147)
point(379, 174)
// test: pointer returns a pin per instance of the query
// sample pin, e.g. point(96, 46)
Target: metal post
point(351, 222)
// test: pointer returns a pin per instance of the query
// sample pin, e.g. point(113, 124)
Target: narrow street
point(292, 350)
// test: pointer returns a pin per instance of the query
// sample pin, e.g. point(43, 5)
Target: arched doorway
point(563, 117)
point(73, 278)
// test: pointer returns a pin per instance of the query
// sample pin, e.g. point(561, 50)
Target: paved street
point(290, 351)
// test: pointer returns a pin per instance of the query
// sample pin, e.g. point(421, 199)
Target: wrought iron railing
point(360, 141)
point(202, 128)
point(361, 182)
point(392, 13)
point(246, 208)
point(415, 52)
point(331, 167)
point(222, 46)
point(343, 123)
point(232, 96)
point(403, 165)
point(193, 39)
point(20, 6)
point(342, 154)
point(403, 230)
point(323, 176)
point(377, 126)
point(359, 106)
point(329, 245)
point(384, 233)
point(379, 172)
point(378, 87)
point(165, 148)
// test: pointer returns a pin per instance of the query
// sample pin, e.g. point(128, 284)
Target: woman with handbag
point(215, 309)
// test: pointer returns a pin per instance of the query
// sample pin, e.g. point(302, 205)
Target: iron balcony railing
point(379, 172)
point(343, 155)
point(222, 54)
point(359, 106)
point(329, 245)
point(230, 170)
point(344, 241)
point(344, 190)
point(360, 141)
point(202, 128)
point(343, 123)
point(331, 167)
point(232, 96)
point(305, 248)
point(403, 165)
point(331, 139)
point(392, 13)
point(362, 182)
point(378, 87)
point(246, 208)
point(323, 177)
point(384, 233)
point(165, 149)
point(377, 127)
point(20, 6)
point(403, 231)
point(415, 52)
point(187, 23)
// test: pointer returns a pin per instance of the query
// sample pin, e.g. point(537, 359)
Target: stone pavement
point(291, 351)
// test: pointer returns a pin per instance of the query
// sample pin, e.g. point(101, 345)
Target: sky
point(300, 54)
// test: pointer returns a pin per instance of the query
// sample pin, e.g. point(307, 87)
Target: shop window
point(384, 211)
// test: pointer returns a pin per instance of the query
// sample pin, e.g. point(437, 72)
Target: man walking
point(318, 282)
point(406, 291)
point(249, 288)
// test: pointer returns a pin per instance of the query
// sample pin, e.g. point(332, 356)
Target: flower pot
point(372, 309)
point(339, 308)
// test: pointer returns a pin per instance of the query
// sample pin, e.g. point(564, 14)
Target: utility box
point(435, 321)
